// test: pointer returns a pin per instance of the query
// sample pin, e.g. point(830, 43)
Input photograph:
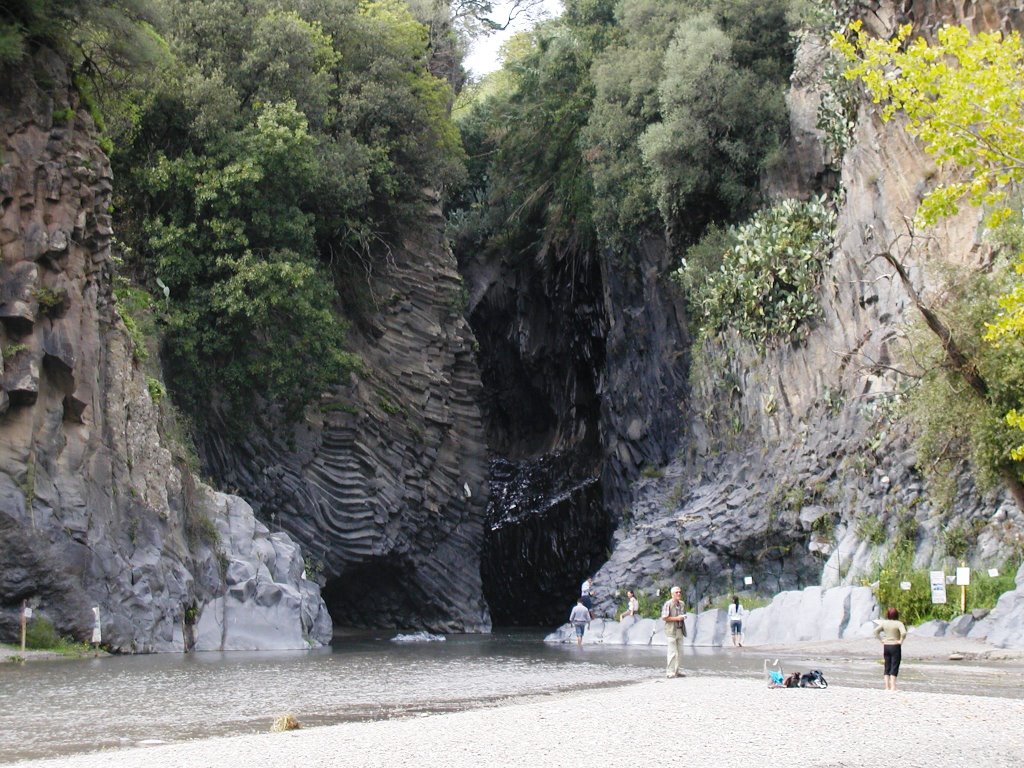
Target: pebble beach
point(694, 721)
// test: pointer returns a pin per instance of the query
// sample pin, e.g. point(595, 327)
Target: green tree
point(261, 174)
point(688, 113)
point(962, 97)
point(228, 236)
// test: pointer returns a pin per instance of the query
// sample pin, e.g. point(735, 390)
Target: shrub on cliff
point(766, 284)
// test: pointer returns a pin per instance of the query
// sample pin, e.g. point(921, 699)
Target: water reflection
point(61, 707)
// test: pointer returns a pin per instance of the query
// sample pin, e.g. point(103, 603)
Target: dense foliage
point(963, 97)
point(264, 151)
point(956, 425)
point(626, 118)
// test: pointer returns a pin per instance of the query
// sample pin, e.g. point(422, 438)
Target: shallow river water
point(51, 708)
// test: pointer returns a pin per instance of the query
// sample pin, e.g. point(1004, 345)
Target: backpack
point(813, 679)
point(792, 680)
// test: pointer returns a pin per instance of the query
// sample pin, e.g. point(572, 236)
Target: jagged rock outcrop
point(795, 475)
point(383, 484)
point(94, 509)
point(269, 604)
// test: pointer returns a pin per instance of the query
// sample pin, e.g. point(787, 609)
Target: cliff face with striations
point(384, 482)
point(94, 510)
point(793, 457)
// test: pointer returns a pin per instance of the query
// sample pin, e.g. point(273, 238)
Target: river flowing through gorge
point(49, 709)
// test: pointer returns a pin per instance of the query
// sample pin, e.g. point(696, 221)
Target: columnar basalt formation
point(384, 481)
point(94, 510)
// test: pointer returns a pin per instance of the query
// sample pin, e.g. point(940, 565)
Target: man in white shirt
point(579, 617)
point(673, 613)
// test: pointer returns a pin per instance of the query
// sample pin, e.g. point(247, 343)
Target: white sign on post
point(28, 612)
point(938, 582)
point(748, 580)
point(963, 577)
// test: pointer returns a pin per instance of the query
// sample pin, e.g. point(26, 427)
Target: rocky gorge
point(517, 423)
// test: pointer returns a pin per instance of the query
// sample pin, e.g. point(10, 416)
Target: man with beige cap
point(673, 613)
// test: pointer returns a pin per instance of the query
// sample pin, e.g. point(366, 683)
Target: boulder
point(267, 604)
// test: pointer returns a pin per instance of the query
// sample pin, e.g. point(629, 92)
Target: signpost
point(963, 579)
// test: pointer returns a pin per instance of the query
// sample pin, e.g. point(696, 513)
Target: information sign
point(938, 582)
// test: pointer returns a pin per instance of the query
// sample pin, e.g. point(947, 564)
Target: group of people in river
point(890, 630)
point(673, 614)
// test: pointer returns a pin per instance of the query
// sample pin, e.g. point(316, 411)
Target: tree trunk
point(960, 362)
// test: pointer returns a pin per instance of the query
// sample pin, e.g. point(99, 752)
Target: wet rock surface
point(545, 526)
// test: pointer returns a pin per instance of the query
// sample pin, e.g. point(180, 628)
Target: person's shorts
point(579, 629)
point(736, 627)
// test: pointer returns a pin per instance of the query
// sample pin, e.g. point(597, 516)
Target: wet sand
point(694, 721)
point(921, 648)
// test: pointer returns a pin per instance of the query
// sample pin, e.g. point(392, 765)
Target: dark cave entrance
point(379, 593)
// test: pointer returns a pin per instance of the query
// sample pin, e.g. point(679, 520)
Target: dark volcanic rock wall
point(548, 527)
point(583, 360)
point(93, 509)
point(645, 373)
point(384, 483)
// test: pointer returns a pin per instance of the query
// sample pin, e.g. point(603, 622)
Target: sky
point(483, 56)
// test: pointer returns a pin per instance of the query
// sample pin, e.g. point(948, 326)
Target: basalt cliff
point(517, 424)
point(98, 508)
point(789, 459)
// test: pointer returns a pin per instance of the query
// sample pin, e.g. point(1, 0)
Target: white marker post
point(26, 614)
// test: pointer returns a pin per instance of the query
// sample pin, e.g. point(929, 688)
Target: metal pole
point(24, 622)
